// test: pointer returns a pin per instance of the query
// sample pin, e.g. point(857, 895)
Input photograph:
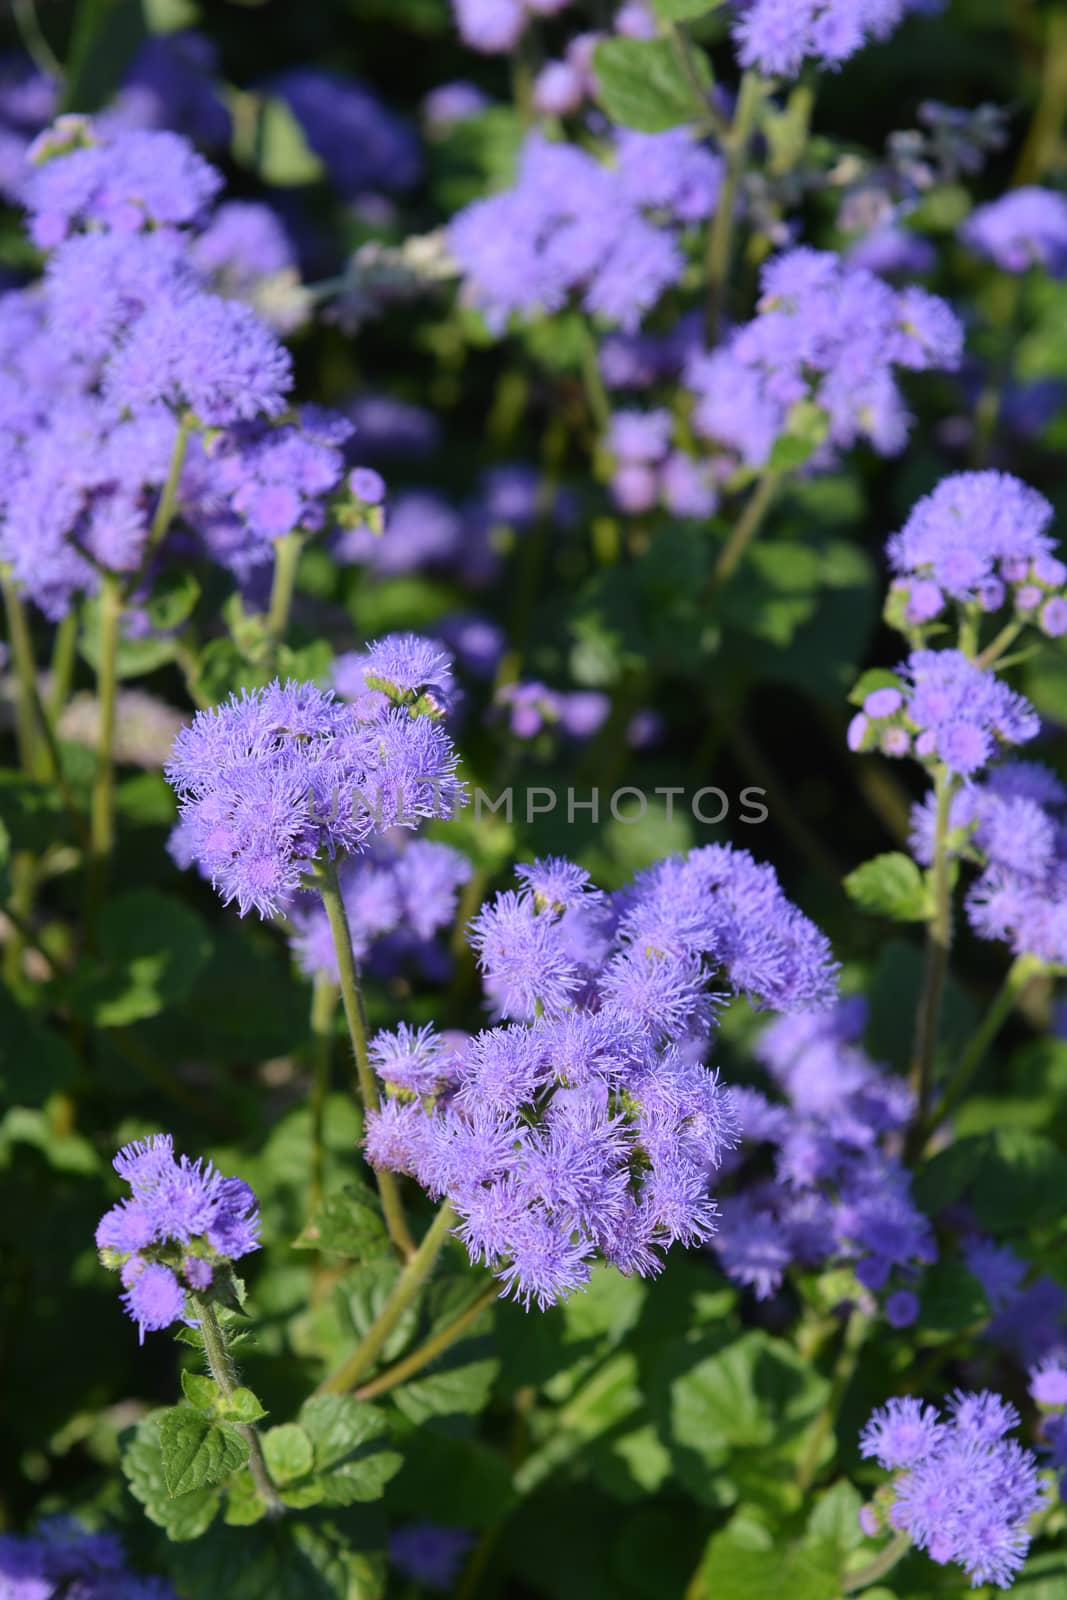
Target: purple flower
point(903, 1433)
point(451, 104)
point(154, 1299)
point(575, 227)
point(280, 775)
point(778, 35)
point(968, 1492)
point(1048, 1383)
point(974, 528)
point(184, 1218)
point(827, 334)
point(1026, 227)
point(429, 1554)
point(123, 184)
point(213, 357)
point(362, 144)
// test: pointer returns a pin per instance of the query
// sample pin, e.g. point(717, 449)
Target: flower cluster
point(181, 1228)
point(532, 707)
point(943, 707)
point(496, 26)
point(826, 334)
point(961, 1488)
point(1014, 825)
point(1048, 1389)
point(126, 363)
point(979, 538)
point(279, 776)
point(363, 145)
point(606, 233)
point(585, 1125)
point(1025, 228)
point(837, 1196)
point(63, 1559)
point(778, 36)
point(398, 897)
point(648, 472)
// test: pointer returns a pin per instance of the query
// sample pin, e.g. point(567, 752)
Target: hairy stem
point(744, 530)
point(323, 1011)
point(355, 1017)
point(404, 1293)
point(1019, 975)
point(935, 971)
point(220, 1362)
point(721, 232)
point(287, 552)
point(884, 1562)
point(401, 1371)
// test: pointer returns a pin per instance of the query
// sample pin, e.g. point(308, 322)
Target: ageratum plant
point(438, 455)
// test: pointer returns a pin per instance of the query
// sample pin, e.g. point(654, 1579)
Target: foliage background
point(591, 1451)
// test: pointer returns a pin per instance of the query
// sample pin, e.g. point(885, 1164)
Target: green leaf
point(952, 1299)
point(349, 1224)
point(1014, 1179)
point(136, 657)
point(739, 1565)
point(890, 885)
point(106, 36)
point(197, 1452)
point(289, 1452)
point(348, 1438)
point(268, 139)
point(338, 1425)
point(835, 1519)
point(869, 681)
point(185, 1517)
point(173, 598)
point(684, 10)
point(152, 948)
point(461, 1383)
point(201, 1392)
point(242, 1406)
point(35, 1061)
point(642, 83)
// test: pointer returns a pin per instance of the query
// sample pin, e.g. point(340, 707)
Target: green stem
point(355, 1017)
point(64, 649)
point(18, 630)
point(596, 395)
point(895, 1551)
point(34, 42)
point(721, 232)
point(429, 1351)
point(856, 1330)
point(938, 943)
point(404, 1293)
point(744, 530)
point(1019, 975)
point(102, 805)
point(168, 500)
point(287, 552)
point(220, 1362)
point(323, 1011)
point(997, 646)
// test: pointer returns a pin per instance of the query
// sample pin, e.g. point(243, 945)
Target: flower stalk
point(404, 1294)
point(355, 1016)
point(220, 1364)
